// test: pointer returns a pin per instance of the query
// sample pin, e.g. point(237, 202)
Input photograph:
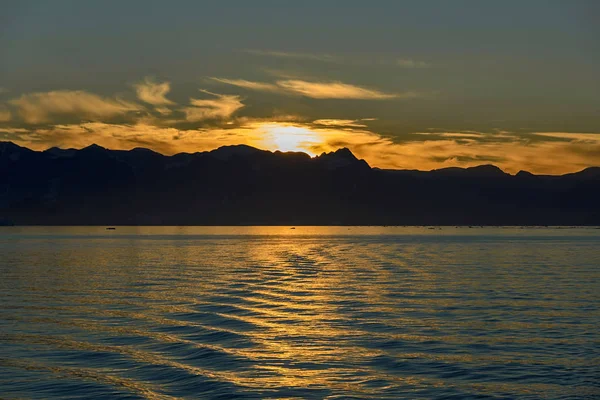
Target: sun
point(291, 138)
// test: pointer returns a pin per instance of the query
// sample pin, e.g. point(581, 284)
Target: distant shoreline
point(312, 225)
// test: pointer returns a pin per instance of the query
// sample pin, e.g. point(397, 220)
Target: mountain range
point(242, 185)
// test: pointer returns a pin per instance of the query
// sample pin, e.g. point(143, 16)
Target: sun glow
point(290, 138)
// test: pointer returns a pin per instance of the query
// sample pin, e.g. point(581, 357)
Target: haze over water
point(310, 312)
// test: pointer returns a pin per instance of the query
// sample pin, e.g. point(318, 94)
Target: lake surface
point(311, 312)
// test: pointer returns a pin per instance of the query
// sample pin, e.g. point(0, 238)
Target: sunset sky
point(403, 84)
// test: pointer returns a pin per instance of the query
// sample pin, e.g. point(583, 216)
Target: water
point(274, 312)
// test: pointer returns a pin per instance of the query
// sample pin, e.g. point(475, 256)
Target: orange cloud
point(317, 90)
point(220, 108)
point(340, 122)
point(260, 86)
point(511, 154)
point(332, 90)
point(38, 108)
point(154, 93)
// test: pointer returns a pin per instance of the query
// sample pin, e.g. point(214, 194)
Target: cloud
point(451, 149)
point(220, 108)
point(454, 150)
point(37, 108)
point(340, 122)
point(574, 137)
point(332, 90)
point(409, 63)
point(5, 115)
point(260, 86)
point(301, 56)
point(166, 140)
point(519, 152)
point(153, 93)
point(317, 90)
point(348, 59)
point(163, 110)
point(451, 134)
point(3, 90)
point(356, 59)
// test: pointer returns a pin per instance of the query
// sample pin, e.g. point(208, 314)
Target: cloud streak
point(351, 123)
point(36, 108)
point(293, 55)
point(317, 90)
point(333, 90)
point(338, 59)
point(571, 137)
point(410, 63)
point(242, 83)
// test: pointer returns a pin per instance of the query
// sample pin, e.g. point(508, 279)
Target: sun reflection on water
point(312, 312)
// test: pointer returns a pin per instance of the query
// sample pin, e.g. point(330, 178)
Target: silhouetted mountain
point(481, 171)
point(242, 185)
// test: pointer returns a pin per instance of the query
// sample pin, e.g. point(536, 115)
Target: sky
point(403, 84)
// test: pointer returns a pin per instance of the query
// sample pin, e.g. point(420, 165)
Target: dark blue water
point(276, 312)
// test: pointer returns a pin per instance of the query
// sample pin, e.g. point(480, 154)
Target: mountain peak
point(5, 145)
point(58, 152)
point(524, 174)
point(94, 149)
point(343, 152)
point(340, 158)
point(94, 146)
point(13, 151)
point(486, 170)
point(226, 152)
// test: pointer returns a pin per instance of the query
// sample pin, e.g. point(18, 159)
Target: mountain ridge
point(242, 185)
point(344, 151)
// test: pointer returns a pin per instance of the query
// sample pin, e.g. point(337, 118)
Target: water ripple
point(164, 313)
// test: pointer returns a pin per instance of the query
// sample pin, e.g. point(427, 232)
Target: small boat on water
point(111, 228)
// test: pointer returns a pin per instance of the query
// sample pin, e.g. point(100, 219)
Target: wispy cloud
point(37, 108)
point(339, 59)
point(410, 63)
point(451, 134)
point(333, 90)
point(317, 90)
point(340, 122)
point(574, 137)
point(294, 55)
point(152, 92)
point(220, 108)
point(260, 86)
point(350, 59)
